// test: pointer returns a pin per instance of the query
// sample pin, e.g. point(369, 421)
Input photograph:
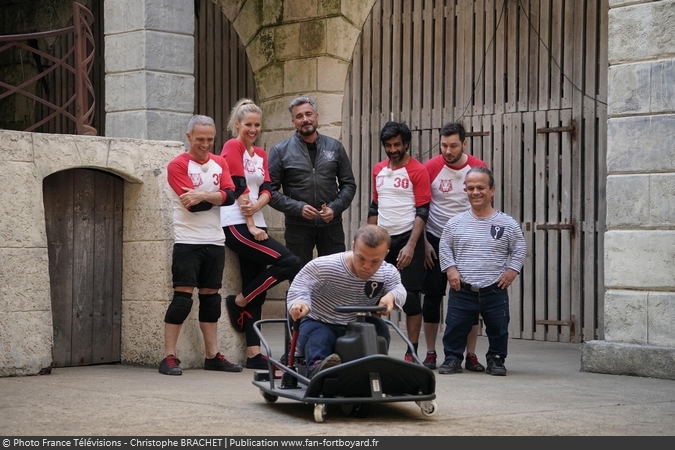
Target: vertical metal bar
point(80, 73)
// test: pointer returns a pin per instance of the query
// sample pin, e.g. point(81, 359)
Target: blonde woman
point(263, 261)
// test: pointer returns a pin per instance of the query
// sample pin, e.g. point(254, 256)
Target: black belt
point(468, 287)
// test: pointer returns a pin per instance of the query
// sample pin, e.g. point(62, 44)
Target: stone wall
point(26, 332)
point(640, 239)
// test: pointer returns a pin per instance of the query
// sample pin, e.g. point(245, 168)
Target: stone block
point(626, 316)
point(126, 124)
point(286, 41)
point(16, 146)
point(270, 81)
point(643, 259)
point(277, 118)
point(652, 136)
point(150, 90)
point(170, 15)
point(22, 220)
point(56, 152)
point(662, 200)
point(332, 74)
point(641, 32)
point(27, 341)
point(169, 91)
point(125, 52)
point(143, 330)
point(356, 11)
point(629, 89)
point(300, 75)
point(661, 319)
point(628, 200)
point(124, 15)
point(249, 21)
point(25, 280)
point(341, 38)
point(230, 8)
point(146, 271)
point(126, 91)
point(148, 211)
point(149, 50)
point(270, 138)
point(663, 85)
point(231, 275)
point(272, 12)
point(333, 7)
point(628, 359)
point(299, 10)
point(330, 107)
point(313, 38)
point(170, 52)
point(262, 50)
point(275, 221)
point(134, 159)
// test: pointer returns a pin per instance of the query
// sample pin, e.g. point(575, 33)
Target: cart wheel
point(269, 398)
point(361, 410)
point(428, 408)
point(319, 412)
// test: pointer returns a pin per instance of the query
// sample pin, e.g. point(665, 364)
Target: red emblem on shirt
point(196, 179)
point(445, 186)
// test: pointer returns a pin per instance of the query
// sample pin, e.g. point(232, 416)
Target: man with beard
point(400, 205)
point(312, 184)
point(447, 173)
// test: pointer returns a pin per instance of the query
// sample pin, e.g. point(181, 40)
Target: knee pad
point(412, 305)
point(209, 307)
point(431, 309)
point(179, 308)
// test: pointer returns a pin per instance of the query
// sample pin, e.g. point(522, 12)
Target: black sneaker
point(220, 363)
point(330, 361)
point(430, 360)
point(450, 365)
point(259, 361)
point(495, 365)
point(473, 364)
point(170, 366)
point(237, 314)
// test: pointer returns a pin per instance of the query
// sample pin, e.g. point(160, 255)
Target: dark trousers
point(464, 306)
point(317, 339)
point(301, 240)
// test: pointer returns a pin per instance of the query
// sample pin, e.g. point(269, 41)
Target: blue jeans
point(464, 306)
point(317, 339)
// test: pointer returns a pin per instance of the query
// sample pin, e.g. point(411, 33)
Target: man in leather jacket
point(312, 184)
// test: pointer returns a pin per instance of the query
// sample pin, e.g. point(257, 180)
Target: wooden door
point(528, 80)
point(83, 212)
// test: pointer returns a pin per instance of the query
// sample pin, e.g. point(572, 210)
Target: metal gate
point(528, 79)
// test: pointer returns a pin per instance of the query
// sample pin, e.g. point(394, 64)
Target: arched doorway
point(83, 215)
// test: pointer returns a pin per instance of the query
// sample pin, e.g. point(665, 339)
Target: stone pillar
point(149, 64)
point(640, 239)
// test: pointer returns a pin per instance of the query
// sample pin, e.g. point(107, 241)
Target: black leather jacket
point(330, 181)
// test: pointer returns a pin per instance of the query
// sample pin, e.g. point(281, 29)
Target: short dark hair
point(392, 129)
point(451, 128)
point(485, 170)
point(372, 235)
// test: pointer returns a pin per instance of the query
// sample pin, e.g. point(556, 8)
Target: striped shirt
point(482, 248)
point(327, 281)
